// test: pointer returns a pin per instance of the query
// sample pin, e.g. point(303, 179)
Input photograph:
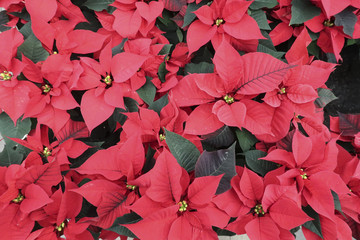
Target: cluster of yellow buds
point(219, 21)
point(60, 227)
point(182, 206)
point(18, 199)
point(259, 210)
point(46, 152)
point(282, 91)
point(46, 88)
point(131, 187)
point(304, 175)
point(229, 99)
point(162, 137)
point(329, 23)
point(6, 76)
point(107, 80)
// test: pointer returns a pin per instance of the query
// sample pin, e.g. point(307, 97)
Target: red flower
point(219, 21)
point(263, 210)
point(224, 97)
point(172, 208)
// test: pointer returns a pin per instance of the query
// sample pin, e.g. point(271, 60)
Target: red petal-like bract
point(262, 73)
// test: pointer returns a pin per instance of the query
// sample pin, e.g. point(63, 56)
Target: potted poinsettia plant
point(175, 119)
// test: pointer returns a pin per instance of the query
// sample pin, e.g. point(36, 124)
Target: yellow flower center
point(219, 21)
point(18, 199)
point(162, 137)
point(46, 88)
point(60, 227)
point(303, 175)
point(282, 91)
point(46, 152)
point(182, 206)
point(131, 187)
point(6, 76)
point(259, 210)
point(328, 23)
point(55, 52)
point(229, 99)
point(107, 80)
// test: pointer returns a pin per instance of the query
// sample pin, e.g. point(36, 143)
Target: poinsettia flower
point(15, 93)
point(40, 19)
point(263, 210)
point(219, 21)
point(310, 165)
point(106, 81)
point(133, 16)
point(224, 96)
point(172, 207)
point(332, 37)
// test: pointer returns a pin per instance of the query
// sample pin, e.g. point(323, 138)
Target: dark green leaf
point(246, 139)
point(314, 49)
point(165, 50)
point(260, 18)
point(189, 15)
point(257, 4)
point(347, 19)
point(131, 105)
point(325, 97)
point(259, 166)
point(217, 163)
point(183, 150)
point(125, 219)
point(159, 104)
point(98, 5)
point(7, 128)
point(303, 10)
point(147, 92)
point(117, 117)
point(33, 49)
point(10, 156)
point(119, 48)
point(223, 232)
point(26, 30)
point(203, 67)
point(267, 46)
point(23, 15)
point(221, 138)
point(179, 34)
point(162, 72)
point(313, 225)
point(4, 19)
point(337, 202)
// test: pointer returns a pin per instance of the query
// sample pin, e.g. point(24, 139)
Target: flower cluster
point(176, 119)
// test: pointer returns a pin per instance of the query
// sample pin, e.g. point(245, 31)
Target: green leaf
point(183, 150)
point(267, 46)
point(98, 5)
point(26, 30)
point(10, 156)
point(257, 4)
point(7, 128)
point(325, 97)
point(313, 225)
point(119, 48)
point(337, 202)
point(314, 49)
point(217, 163)
point(189, 15)
point(159, 104)
point(131, 105)
point(147, 91)
point(125, 219)
point(179, 34)
point(33, 49)
point(203, 67)
point(259, 166)
point(303, 10)
point(260, 18)
point(221, 138)
point(162, 72)
point(347, 19)
point(246, 139)
point(165, 50)
point(4, 19)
